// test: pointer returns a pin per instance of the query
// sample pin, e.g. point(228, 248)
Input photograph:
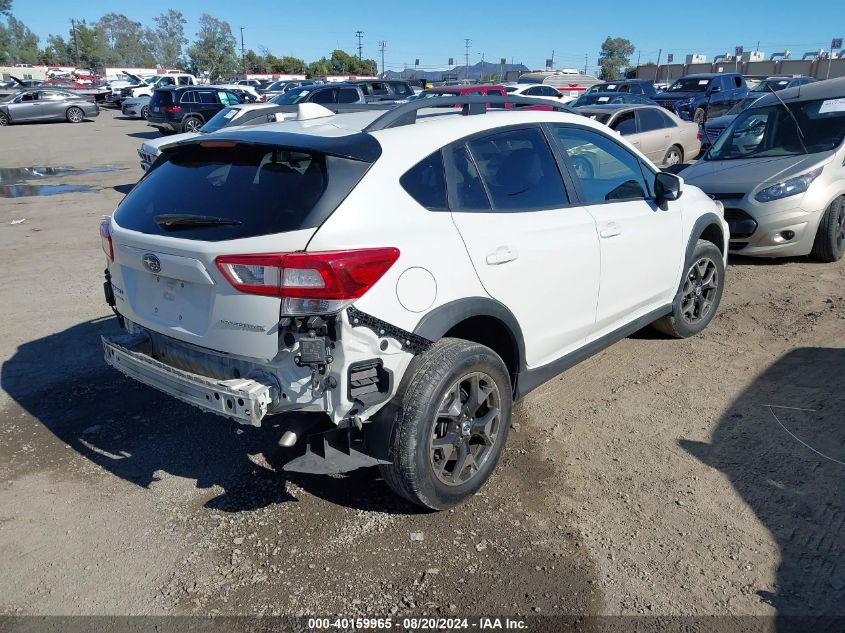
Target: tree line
point(116, 40)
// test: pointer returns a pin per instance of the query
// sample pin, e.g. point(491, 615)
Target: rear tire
point(699, 116)
point(829, 245)
point(191, 124)
point(674, 156)
point(454, 413)
point(75, 115)
point(699, 293)
point(145, 112)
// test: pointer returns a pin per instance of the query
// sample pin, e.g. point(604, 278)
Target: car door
point(641, 244)
point(54, 105)
point(654, 138)
point(718, 100)
point(26, 107)
point(532, 248)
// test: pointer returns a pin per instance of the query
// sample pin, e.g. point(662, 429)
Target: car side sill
point(530, 379)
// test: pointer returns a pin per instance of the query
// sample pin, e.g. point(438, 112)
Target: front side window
point(29, 96)
point(324, 96)
point(606, 171)
point(519, 170)
point(625, 123)
point(426, 182)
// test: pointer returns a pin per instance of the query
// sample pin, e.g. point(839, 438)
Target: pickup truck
point(703, 96)
point(145, 88)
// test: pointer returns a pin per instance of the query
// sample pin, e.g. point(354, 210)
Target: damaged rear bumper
point(244, 400)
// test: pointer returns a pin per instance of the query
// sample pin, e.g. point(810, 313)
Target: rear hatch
point(206, 199)
point(160, 103)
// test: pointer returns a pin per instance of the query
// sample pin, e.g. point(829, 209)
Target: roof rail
point(406, 113)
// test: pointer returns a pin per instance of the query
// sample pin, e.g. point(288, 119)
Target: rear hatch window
point(161, 98)
point(202, 191)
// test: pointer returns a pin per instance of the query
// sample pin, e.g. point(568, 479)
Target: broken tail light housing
point(309, 283)
point(105, 238)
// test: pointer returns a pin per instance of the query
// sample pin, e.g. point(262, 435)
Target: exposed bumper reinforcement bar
point(243, 400)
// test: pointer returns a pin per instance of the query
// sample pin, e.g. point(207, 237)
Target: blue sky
point(526, 31)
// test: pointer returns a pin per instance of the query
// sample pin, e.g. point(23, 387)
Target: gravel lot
point(660, 477)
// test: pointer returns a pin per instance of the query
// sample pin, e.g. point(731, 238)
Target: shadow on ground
point(137, 433)
point(145, 135)
point(782, 445)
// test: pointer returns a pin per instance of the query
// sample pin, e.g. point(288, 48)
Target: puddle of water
point(22, 190)
point(15, 175)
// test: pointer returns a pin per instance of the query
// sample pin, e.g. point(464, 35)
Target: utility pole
point(553, 59)
point(657, 74)
point(467, 42)
point(75, 42)
point(360, 35)
point(585, 63)
point(243, 59)
point(382, 46)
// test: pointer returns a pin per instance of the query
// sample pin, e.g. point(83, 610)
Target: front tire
point(454, 414)
point(699, 116)
point(699, 294)
point(75, 115)
point(145, 112)
point(4, 119)
point(829, 245)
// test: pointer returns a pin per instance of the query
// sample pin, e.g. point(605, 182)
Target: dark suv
point(381, 90)
point(322, 93)
point(186, 109)
point(704, 96)
point(633, 86)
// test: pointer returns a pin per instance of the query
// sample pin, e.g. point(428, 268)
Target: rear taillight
point(698, 135)
point(172, 109)
point(105, 238)
point(309, 283)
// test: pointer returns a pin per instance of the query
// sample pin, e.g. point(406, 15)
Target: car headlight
point(787, 188)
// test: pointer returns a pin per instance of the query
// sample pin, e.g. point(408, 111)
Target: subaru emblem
point(152, 263)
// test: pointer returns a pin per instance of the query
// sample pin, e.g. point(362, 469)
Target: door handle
point(610, 230)
point(502, 255)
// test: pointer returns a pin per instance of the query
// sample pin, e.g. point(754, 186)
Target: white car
point(137, 108)
point(230, 116)
point(402, 276)
point(537, 91)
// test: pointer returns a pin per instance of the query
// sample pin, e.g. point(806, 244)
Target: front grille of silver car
point(714, 133)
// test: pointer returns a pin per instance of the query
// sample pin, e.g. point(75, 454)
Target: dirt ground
point(659, 477)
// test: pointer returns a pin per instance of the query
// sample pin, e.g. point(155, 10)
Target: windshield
point(292, 96)
point(220, 120)
point(689, 84)
point(276, 85)
point(768, 132)
point(598, 98)
point(768, 85)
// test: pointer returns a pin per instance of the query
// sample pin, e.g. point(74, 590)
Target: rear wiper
point(176, 221)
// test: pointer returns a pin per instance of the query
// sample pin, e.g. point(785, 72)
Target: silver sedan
point(663, 137)
point(46, 105)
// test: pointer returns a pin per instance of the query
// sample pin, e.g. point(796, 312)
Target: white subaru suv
point(404, 275)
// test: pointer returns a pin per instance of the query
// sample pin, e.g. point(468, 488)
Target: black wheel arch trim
point(435, 324)
point(698, 229)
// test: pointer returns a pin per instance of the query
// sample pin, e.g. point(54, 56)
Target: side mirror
point(667, 187)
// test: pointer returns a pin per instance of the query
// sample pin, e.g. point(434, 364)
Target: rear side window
point(347, 95)
point(426, 183)
point(518, 168)
point(324, 96)
point(625, 124)
point(466, 191)
point(206, 96)
point(189, 96)
point(650, 120)
point(266, 189)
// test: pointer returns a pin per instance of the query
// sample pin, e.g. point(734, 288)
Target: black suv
point(187, 108)
point(703, 96)
point(381, 90)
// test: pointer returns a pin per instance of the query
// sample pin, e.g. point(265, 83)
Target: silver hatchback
point(779, 169)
